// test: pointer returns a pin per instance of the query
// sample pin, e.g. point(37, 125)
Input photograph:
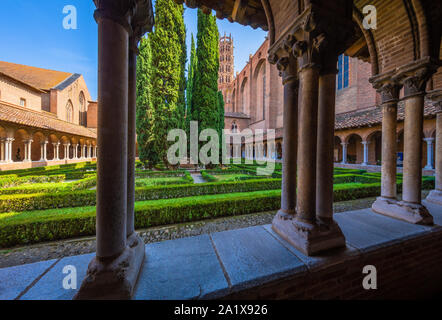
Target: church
point(254, 100)
point(47, 117)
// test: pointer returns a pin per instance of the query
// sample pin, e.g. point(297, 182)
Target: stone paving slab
point(322, 260)
point(14, 280)
point(252, 257)
point(181, 269)
point(50, 286)
point(368, 231)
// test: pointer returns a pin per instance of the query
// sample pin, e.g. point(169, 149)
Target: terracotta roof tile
point(373, 116)
point(30, 118)
point(42, 79)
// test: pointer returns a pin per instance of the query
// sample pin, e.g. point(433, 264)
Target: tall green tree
point(191, 80)
point(180, 29)
point(205, 90)
point(167, 74)
point(146, 150)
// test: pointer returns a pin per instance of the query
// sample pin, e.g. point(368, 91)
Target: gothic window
point(22, 102)
point(343, 74)
point(69, 111)
point(82, 111)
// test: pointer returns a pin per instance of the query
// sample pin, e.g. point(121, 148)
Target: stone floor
point(215, 265)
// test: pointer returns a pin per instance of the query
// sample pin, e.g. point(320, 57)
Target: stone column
point(56, 150)
point(414, 86)
point(326, 138)
point(27, 150)
point(365, 145)
point(413, 77)
point(2, 150)
point(66, 151)
point(305, 230)
point(288, 69)
point(9, 149)
point(344, 152)
point(74, 151)
point(114, 271)
point(133, 239)
point(435, 195)
point(430, 164)
point(95, 153)
point(43, 151)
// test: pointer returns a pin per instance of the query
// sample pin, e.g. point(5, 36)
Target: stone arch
point(21, 135)
point(354, 148)
point(36, 148)
point(337, 153)
point(369, 39)
point(233, 100)
point(374, 147)
point(244, 97)
point(258, 90)
point(270, 20)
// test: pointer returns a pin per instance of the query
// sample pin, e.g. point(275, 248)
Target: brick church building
point(254, 100)
point(47, 117)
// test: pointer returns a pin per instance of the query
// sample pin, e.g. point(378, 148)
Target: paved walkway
point(212, 266)
point(198, 178)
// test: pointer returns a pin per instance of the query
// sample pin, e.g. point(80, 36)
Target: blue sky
point(32, 33)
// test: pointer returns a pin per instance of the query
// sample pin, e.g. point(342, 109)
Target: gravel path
point(198, 178)
point(59, 249)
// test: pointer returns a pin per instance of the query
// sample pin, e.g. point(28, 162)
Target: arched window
point(234, 127)
point(69, 111)
point(82, 112)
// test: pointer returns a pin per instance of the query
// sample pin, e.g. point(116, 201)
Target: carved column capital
point(119, 11)
point(436, 97)
point(284, 60)
point(414, 76)
point(389, 91)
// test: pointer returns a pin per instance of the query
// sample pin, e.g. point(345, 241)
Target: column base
point(310, 239)
point(116, 279)
point(401, 210)
point(435, 197)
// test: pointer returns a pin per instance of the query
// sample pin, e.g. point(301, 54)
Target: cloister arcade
point(23, 147)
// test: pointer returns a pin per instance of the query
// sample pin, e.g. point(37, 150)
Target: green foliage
point(146, 149)
point(167, 75)
point(190, 84)
point(205, 106)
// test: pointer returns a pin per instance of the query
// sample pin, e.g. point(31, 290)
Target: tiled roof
point(237, 115)
point(373, 116)
point(38, 78)
point(22, 116)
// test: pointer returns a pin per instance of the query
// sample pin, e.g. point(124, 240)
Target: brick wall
point(407, 270)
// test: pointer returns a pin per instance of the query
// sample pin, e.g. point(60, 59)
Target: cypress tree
point(221, 123)
point(167, 65)
point(205, 90)
point(180, 30)
point(191, 80)
point(144, 89)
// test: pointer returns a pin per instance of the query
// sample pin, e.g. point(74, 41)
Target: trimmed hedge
point(10, 181)
point(32, 227)
point(88, 182)
point(41, 201)
point(147, 214)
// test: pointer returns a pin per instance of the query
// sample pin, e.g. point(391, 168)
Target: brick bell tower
point(226, 70)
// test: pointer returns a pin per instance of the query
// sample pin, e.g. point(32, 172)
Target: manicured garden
point(51, 203)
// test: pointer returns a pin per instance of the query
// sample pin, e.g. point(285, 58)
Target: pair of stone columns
point(56, 151)
point(435, 196)
point(43, 151)
point(27, 151)
point(306, 215)
point(413, 78)
point(7, 150)
point(120, 251)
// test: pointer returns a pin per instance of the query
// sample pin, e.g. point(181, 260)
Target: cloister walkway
point(256, 263)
